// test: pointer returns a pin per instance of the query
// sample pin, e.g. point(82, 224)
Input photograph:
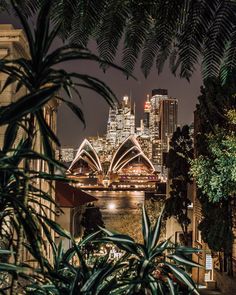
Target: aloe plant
point(154, 266)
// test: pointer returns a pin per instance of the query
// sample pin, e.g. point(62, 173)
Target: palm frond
point(111, 29)
point(87, 16)
point(229, 61)
point(219, 35)
point(166, 19)
point(135, 34)
point(62, 15)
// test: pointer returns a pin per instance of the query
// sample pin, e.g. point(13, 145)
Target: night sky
point(70, 129)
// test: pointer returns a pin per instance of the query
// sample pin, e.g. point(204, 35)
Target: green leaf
point(171, 286)
point(45, 129)
point(144, 265)
point(57, 228)
point(75, 109)
point(145, 226)
point(187, 250)
point(11, 267)
point(121, 239)
point(160, 286)
point(88, 238)
point(184, 260)
point(106, 231)
point(5, 252)
point(10, 135)
point(182, 276)
point(156, 232)
point(42, 29)
point(10, 79)
point(25, 25)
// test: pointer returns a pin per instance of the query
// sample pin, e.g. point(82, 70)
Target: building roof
point(70, 197)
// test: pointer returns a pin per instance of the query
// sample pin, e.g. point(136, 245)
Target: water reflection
point(121, 210)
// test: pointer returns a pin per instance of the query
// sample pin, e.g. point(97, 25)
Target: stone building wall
point(13, 45)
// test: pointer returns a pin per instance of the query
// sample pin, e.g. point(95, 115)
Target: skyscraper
point(121, 122)
point(147, 109)
point(153, 133)
point(162, 124)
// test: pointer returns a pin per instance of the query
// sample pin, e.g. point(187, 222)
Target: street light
point(111, 206)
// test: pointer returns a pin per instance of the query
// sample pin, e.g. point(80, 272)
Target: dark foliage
point(214, 102)
point(91, 219)
point(178, 162)
point(186, 32)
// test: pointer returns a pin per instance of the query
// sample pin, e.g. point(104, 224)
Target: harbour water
point(121, 210)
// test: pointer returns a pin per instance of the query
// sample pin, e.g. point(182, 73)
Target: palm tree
point(185, 32)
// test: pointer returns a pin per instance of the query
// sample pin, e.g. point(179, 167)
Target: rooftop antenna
point(130, 96)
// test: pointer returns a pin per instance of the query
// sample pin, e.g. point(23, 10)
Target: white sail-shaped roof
point(87, 153)
point(128, 151)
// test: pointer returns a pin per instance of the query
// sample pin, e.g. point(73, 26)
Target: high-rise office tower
point(168, 118)
point(162, 124)
point(147, 109)
point(121, 122)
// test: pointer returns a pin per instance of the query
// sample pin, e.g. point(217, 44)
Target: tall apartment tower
point(163, 123)
point(147, 109)
point(121, 122)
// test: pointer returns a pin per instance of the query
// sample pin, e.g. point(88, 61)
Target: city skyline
point(71, 132)
point(121, 149)
point(96, 121)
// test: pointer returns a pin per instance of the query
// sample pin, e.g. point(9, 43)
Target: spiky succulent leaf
point(146, 227)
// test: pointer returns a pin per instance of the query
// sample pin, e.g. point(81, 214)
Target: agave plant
point(70, 273)
point(155, 266)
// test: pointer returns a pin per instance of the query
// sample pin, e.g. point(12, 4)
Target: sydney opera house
point(126, 167)
point(128, 156)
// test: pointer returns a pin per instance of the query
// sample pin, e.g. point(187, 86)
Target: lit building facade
point(121, 122)
point(13, 45)
point(163, 123)
point(128, 166)
point(151, 137)
point(65, 154)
